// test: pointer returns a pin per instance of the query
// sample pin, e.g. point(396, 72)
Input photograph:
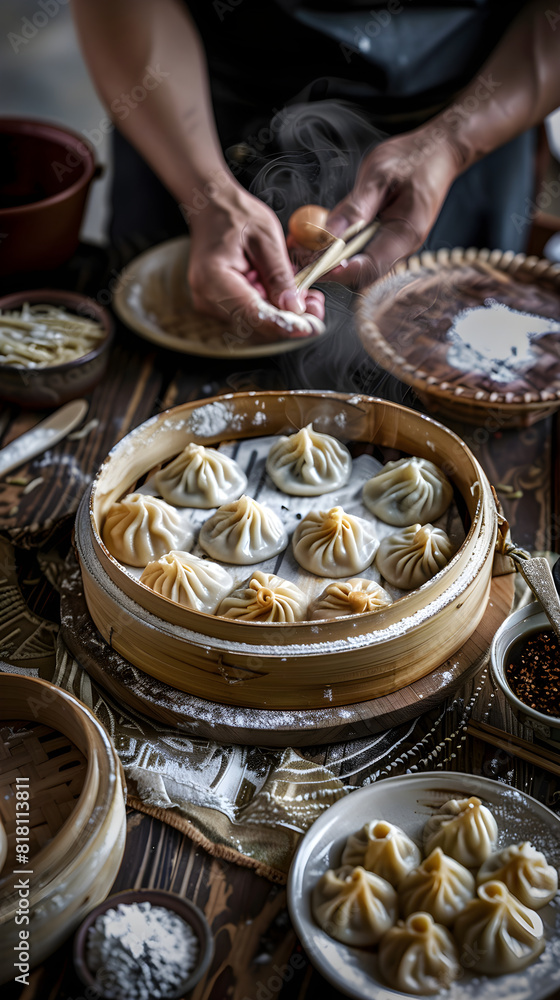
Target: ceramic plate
point(408, 801)
point(153, 298)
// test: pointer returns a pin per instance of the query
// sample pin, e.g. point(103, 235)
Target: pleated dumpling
point(265, 598)
point(200, 477)
point(383, 848)
point(354, 906)
point(463, 828)
point(409, 491)
point(411, 557)
point(497, 933)
point(525, 871)
point(308, 463)
point(243, 532)
point(348, 597)
point(419, 956)
point(334, 543)
point(140, 528)
point(439, 886)
point(188, 580)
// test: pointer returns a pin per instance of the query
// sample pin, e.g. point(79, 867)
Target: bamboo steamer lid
point(344, 660)
point(83, 837)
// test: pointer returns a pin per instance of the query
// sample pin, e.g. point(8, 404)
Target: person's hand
point(239, 265)
point(404, 182)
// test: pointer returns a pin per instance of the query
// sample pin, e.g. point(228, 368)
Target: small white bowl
point(521, 624)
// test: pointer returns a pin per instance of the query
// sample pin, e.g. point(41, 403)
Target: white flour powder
point(138, 951)
point(496, 340)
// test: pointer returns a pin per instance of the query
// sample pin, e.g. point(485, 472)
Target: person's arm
point(238, 248)
point(405, 180)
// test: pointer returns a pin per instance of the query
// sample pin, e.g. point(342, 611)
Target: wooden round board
point(404, 321)
point(260, 727)
point(153, 298)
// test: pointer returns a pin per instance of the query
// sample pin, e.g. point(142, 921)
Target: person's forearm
point(516, 88)
point(173, 126)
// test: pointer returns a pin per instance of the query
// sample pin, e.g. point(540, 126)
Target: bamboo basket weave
point(404, 317)
point(306, 664)
point(76, 819)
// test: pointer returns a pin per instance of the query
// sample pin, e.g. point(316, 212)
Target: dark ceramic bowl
point(45, 175)
point(157, 897)
point(38, 388)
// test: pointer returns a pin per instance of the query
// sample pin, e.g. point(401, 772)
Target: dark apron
point(334, 79)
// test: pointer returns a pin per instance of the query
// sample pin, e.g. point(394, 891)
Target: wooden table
point(255, 945)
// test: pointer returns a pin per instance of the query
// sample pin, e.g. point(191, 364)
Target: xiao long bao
point(334, 543)
point(409, 491)
point(348, 597)
point(439, 886)
point(526, 873)
point(464, 829)
point(200, 477)
point(409, 558)
point(354, 906)
point(503, 934)
point(383, 848)
point(419, 956)
point(308, 463)
point(265, 598)
point(187, 579)
point(140, 528)
point(243, 532)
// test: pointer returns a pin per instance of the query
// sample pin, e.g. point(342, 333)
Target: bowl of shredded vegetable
point(54, 346)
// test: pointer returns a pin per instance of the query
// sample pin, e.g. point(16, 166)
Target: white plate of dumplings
point(412, 803)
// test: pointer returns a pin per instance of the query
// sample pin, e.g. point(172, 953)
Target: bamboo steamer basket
point(306, 664)
point(403, 320)
point(76, 843)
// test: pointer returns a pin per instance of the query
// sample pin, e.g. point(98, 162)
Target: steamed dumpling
point(411, 557)
point(439, 886)
point(348, 597)
point(496, 933)
point(526, 873)
point(140, 528)
point(200, 477)
point(243, 532)
point(334, 543)
point(354, 906)
point(383, 848)
point(464, 829)
point(188, 580)
point(265, 598)
point(419, 956)
point(308, 463)
point(410, 491)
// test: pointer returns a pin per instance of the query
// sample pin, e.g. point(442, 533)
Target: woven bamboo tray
point(76, 817)
point(403, 321)
point(304, 665)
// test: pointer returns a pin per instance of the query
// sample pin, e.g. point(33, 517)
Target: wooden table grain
point(257, 955)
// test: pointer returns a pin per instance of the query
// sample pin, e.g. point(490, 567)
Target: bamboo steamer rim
point(300, 632)
point(460, 397)
point(103, 780)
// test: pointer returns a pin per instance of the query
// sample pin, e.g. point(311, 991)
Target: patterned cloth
point(247, 804)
